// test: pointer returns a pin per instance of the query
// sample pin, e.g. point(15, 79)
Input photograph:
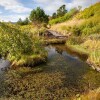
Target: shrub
point(75, 30)
point(38, 16)
point(14, 41)
point(18, 45)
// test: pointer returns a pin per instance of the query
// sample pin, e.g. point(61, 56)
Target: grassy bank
point(93, 94)
point(89, 46)
point(55, 41)
point(84, 28)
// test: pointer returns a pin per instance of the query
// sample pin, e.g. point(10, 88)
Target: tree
point(79, 8)
point(61, 11)
point(54, 15)
point(26, 21)
point(38, 16)
point(74, 11)
point(20, 22)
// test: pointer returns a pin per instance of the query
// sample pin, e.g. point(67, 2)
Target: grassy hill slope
point(85, 30)
point(85, 22)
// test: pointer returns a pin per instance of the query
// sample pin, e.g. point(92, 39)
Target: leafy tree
point(20, 22)
point(26, 21)
point(79, 8)
point(54, 15)
point(38, 16)
point(74, 11)
point(61, 11)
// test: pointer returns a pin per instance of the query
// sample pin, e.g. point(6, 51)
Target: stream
point(64, 73)
point(65, 52)
point(53, 50)
point(4, 64)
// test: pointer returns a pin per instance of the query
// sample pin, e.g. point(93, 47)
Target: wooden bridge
point(51, 33)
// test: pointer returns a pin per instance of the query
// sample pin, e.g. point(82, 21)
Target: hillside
point(85, 30)
point(92, 11)
point(86, 22)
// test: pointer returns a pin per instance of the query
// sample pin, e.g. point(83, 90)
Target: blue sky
point(12, 10)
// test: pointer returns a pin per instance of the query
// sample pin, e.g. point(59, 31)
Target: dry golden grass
point(90, 46)
point(62, 27)
point(92, 95)
point(93, 46)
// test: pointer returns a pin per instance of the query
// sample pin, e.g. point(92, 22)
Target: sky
point(12, 10)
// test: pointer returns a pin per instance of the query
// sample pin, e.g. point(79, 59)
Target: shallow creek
point(64, 73)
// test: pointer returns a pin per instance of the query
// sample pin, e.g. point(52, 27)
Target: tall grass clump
point(88, 45)
point(90, 26)
point(87, 27)
point(94, 50)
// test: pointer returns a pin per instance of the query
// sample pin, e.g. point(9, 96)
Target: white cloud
point(12, 18)
point(51, 6)
point(83, 3)
point(14, 6)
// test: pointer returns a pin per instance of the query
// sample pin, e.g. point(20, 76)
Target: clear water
point(4, 64)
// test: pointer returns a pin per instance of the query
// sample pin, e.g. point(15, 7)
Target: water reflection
point(3, 65)
point(52, 50)
point(76, 73)
point(64, 51)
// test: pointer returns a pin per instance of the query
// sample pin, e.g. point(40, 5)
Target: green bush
point(18, 45)
point(14, 41)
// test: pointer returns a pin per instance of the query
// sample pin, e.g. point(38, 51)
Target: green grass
point(85, 23)
point(78, 49)
point(30, 60)
point(92, 50)
point(93, 10)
